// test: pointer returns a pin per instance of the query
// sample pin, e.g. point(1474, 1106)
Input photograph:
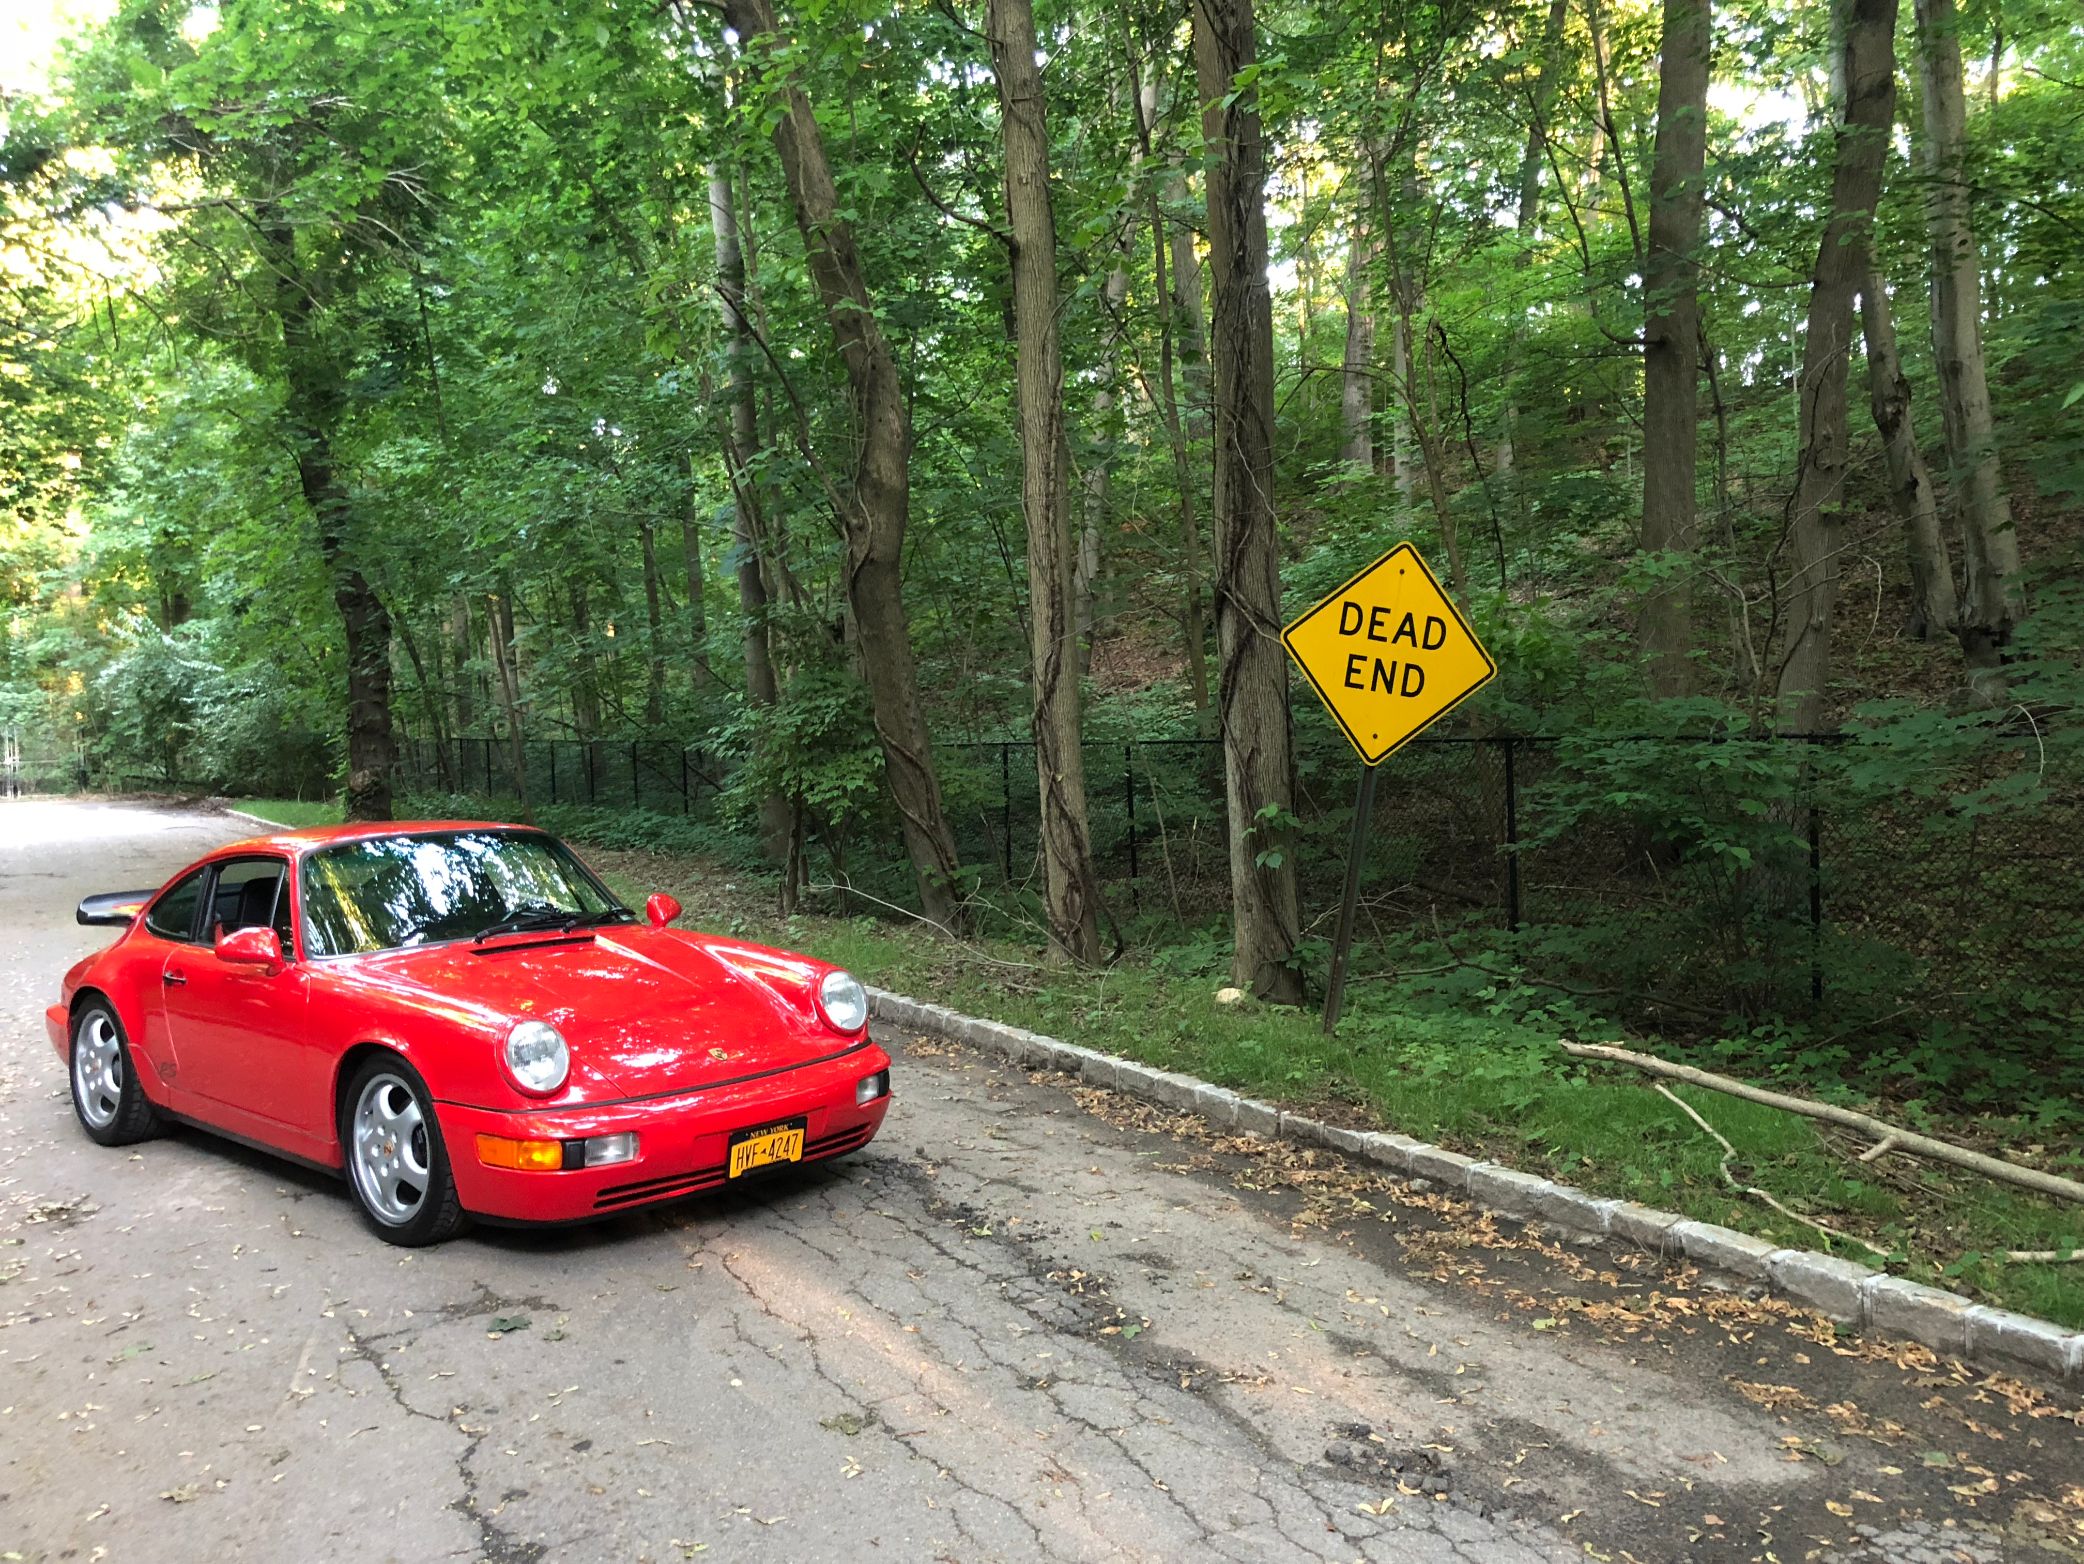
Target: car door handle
point(173, 980)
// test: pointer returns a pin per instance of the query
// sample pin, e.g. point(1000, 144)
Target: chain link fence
point(1665, 875)
point(1712, 875)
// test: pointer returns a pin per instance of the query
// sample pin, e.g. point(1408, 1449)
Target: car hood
point(644, 1011)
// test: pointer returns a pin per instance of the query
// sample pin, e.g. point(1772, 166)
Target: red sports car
point(465, 1019)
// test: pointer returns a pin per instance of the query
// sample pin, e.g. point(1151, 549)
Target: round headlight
point(844, 1001)
point(537, 1058)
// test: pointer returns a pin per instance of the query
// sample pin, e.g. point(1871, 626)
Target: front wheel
point(106, 1096)
point(397, 1165)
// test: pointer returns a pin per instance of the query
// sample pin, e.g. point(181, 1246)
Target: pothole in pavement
point(1375, 1457)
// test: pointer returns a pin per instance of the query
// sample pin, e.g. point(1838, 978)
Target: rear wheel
point(397, 1165)
point(106, 1097)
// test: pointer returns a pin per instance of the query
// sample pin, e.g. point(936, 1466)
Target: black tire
point(107, 1097)
point(405, 1193)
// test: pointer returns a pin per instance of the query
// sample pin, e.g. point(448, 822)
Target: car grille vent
point(657, 1188)
point(643, 1191)
point(833, 1145)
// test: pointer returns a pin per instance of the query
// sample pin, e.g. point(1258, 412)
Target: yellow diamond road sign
point(1389, 652)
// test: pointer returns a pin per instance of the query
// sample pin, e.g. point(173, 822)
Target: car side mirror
point(251, 948)
point(660, 909)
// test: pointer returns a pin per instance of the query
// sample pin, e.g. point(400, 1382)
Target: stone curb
point(272, 825)
point(1844, 1291)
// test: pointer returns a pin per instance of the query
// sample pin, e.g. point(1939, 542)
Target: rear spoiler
point(116, 909)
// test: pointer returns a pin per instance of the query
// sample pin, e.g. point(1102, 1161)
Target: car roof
point(306, 838)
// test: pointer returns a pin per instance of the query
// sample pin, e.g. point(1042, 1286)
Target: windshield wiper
point(526, 919)
point(607, 915)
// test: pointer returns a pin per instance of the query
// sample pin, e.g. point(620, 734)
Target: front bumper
point(57, 1021)
point(682, 1142)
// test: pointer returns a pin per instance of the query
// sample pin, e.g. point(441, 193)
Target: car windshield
point(390, 891)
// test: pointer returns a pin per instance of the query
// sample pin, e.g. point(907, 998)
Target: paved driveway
point(1030, 1322)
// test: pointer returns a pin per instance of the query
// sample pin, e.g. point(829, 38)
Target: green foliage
point(471, 248)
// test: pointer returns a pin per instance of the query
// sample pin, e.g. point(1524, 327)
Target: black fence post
point(553, 771)
point(592, 793)
point(683, 780)
point(1512, 840)
point(636, 795)
point(486, 755)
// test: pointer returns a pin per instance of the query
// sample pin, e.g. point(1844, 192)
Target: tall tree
point(876, 500)
point(1179, 319)
point(1990, 598)
point(1096, 481)
point(1932, 601)
point(499, 623)
point(1356, 375)
point(1252, 706)
point(314, 392)
point(1541, 97)
point(741, 442)
point(693, 573)
point(654, 627)
point(1072, 889)
point(1671, 339)
point(1864, 116)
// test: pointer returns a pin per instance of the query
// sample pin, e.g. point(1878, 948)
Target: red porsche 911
point(464, 1019)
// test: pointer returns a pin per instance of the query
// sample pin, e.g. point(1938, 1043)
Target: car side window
point(245, 895)
point(173, 915)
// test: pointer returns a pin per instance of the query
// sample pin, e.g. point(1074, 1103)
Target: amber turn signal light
point(530, 1156)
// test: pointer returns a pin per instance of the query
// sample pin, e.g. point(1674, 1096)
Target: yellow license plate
point(764, 1148)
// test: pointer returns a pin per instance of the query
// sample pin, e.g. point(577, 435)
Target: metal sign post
point(1389, 652)
point(1342, 944)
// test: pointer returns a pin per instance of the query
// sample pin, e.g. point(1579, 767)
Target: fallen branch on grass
point(2041, 1256)
point(1890, 1136)
point(1729, 1153)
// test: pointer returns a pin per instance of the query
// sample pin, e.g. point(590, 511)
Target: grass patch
point(291, 812)
point(1494, 1086)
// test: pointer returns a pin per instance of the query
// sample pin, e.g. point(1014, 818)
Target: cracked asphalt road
point(1030, 1322)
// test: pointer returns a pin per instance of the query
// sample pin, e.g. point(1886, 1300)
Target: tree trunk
point(371, 750)
point(1098, 476)
point(1356, 401)
point(445, 681)
point(1408, 290)
point(499, 622)
point(1416, 426)
point(1816, 524)
point(466, 656)
point(1072, 888)
point(1258, 765)
point(1671, 342)
point(586, 675)
point(1532, 155)
point(700, 674)
point(430, 699)
point(1990, 599)
point(1424, 428)
point(312, 397)
point(1193, 625)
point(1189, 316)
point(876, 504)
point(1932, 605)
point(654, 631)
point(741, 443)
point(1403, 456)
